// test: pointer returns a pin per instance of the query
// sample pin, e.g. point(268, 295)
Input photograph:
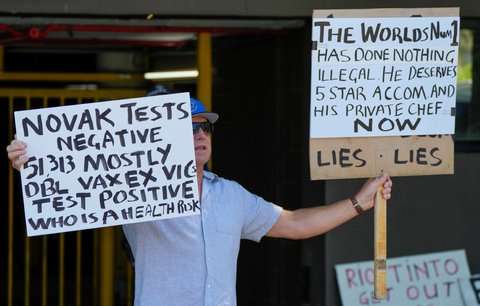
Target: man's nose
point(199, 134)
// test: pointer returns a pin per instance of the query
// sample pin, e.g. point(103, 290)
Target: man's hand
point(366, 195)
point(309, 222)
point(17, 151)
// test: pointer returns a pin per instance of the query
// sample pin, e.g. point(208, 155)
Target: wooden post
point(380, 263)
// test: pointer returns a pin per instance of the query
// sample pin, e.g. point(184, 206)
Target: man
point(192, 260)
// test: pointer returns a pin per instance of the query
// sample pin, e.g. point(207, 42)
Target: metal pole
point(107, 259)
point(204, 66)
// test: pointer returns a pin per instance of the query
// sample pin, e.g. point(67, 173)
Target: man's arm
point(309, 222)
point(298, 224)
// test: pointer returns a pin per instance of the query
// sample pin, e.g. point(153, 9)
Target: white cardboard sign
point(470, 288)
point(419, 280)
point(108, 163)
point(391, 76)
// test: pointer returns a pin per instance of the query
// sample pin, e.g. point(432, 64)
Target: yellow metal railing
point(49, 287)
point(204, 65)
point(73, 77)
point(10, 215)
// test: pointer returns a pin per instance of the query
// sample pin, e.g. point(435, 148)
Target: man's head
point(202, 126)
point(196, 106)
point(198, 110)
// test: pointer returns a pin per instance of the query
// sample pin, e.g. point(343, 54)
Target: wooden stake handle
point(380, 263)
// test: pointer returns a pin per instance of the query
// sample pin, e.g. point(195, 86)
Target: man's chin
point(200, 161)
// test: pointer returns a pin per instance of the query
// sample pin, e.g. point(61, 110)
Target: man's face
point(203, 144)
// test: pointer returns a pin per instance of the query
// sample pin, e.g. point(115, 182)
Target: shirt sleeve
point(259, 216)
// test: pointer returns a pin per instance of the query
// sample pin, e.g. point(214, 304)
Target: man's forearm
point(309, 222)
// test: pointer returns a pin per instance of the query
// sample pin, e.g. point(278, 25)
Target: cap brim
point(211, 117)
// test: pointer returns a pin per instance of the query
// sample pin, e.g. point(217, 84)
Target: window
point(467, 119)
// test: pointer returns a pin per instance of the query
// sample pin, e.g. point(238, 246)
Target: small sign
point(108, 163)
point(419, 280)
point(359, 157)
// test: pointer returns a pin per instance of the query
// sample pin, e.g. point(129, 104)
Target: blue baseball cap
point(199, 110)
point(157, 91)
point(196, 106)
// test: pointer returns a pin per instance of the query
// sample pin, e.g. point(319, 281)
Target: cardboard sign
point(355, 132)
point(369, 156)
point(420, 280)
point(108, 163)
point(383, 76)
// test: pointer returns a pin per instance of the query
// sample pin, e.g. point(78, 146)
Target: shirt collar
point(210, 176)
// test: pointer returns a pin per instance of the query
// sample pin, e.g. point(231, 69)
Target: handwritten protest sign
point(381, 79)
point(358, 135)
point(420, 280)
point(108, 163)
point(383, 76)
